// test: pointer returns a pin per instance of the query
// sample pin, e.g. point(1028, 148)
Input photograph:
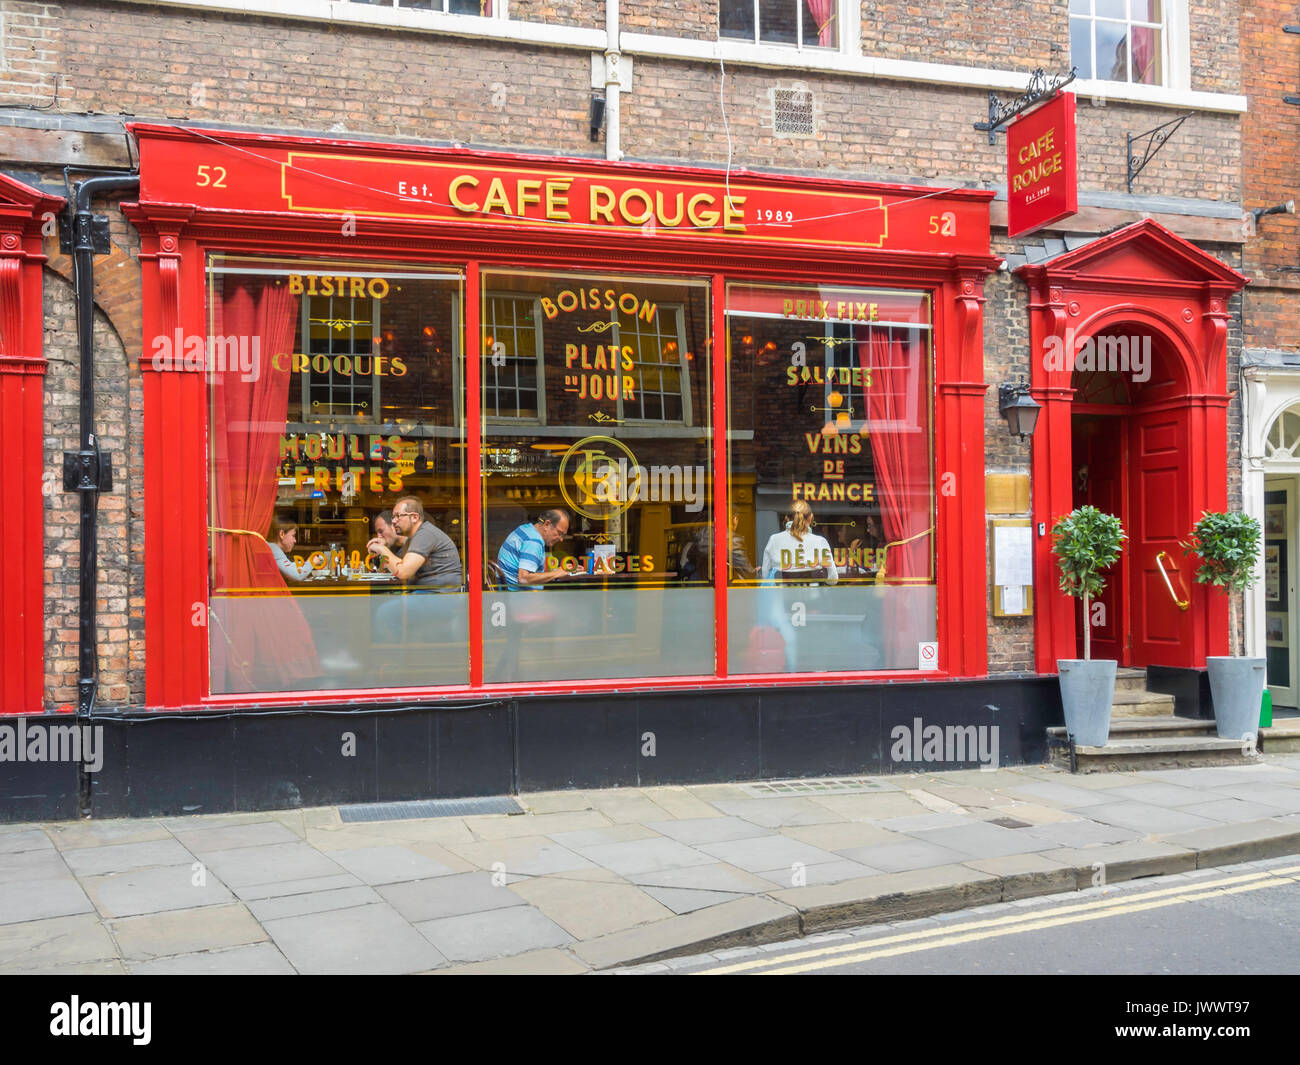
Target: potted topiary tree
point(1228, 547)
point(1085, 542)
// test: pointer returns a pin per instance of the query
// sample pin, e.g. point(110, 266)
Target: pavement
point(586, 881)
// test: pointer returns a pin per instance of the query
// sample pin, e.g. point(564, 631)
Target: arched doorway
point(1129, 423)
point(1143, 303)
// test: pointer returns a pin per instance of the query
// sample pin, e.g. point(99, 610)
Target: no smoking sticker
point(928, 655)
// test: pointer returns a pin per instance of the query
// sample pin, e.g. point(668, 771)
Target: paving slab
point(54, 941)
point(628, 806)
point(120, 857)
point(1233, 810)
point(261, 959)
point(529, 855)
point(746, 920)
point(708, 829)
point(25, 839)
point(767, 852)
point(1080, 833)
point(983, 840)
point(269, 864)
point(897, 857)
point(685, 900)
point(1245, 842)
point(197, 820)
point(891, 897)
point(71, 835)
point(312, 902)
point(717, 876)
point(390, 865)
point(34, 900)
point(842, 836)
point(493, 934)
point(308, 885)
point(592, 837)
point(185, 932)
point(779, 812)
point(645, 855)
point(20, 866)
point(108, 967)
point(206, 840)
point(1066, 796)
point(449, 896)
point(588, 910)
point(503, 827)
point(555, 802)
point(822, 873)
point(372, 939)
point(926, 822)
point(1279, 796)
point(680, 802)
point(168, 887)
point(873, 806)
point(1144, 817)
point(1158, 793)
point(1032, 812)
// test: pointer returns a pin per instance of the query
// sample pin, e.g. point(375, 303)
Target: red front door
point(1159, 518)
point(1099, 481)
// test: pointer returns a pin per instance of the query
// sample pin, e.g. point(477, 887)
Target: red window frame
point(178, 238)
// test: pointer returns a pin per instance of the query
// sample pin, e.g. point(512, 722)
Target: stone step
point(1128, 728)
point(1128, 680)
point(1141, 704)
point(1281, 736)
point(1157, 752)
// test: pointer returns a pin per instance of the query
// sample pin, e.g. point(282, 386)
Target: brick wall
point(118, 420)
point(29, 56)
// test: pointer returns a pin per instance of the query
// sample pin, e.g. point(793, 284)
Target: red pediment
point(1144, 253)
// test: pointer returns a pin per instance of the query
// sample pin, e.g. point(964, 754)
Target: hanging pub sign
point(1042, 171)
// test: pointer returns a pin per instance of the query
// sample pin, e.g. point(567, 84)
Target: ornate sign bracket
point(1155, 140)
point(1042, 86)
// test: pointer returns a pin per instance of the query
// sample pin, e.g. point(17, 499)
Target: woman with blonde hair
point(798, 551)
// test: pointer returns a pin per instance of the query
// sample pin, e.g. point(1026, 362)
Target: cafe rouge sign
point(221, 171)
point(1042, 175)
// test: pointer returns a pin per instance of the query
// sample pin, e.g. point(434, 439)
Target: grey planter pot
point(1087, 691)
point(1237, 686)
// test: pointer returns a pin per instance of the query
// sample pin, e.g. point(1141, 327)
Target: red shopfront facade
point(676, 360)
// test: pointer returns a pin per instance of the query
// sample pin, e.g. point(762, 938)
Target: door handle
point(1182, 604)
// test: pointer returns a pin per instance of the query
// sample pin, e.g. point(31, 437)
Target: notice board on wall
point(1011, 545)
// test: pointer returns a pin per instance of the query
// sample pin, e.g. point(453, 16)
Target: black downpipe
point(88, 471)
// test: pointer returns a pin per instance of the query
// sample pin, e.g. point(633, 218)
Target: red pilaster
point(24, 212)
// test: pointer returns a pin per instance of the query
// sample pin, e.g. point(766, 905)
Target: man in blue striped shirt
point(522, 557)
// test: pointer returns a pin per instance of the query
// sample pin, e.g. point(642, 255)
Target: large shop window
point(831, 485)
point(335, 400)
point(596, 477)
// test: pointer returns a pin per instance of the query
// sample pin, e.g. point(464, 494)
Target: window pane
point(1112, 51)
point(623, 459)
point(1147, 65)
point(777, 21)
point(1081, 46)
point(1080, 7)
point(1146, 10)
point(1111, 9)
point(736, 19)
point(829, 394)
point(348, 402)
point(820, 24)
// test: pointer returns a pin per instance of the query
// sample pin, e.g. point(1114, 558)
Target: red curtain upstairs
point(823, 13)
point(898, 417)
point(264, 643)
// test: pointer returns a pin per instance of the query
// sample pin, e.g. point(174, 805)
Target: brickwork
point(118, 418)
point(29, 57)
point(696, 19)
point(1008, 34)
point(589, 14)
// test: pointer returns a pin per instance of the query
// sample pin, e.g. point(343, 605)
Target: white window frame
point(1175, 46)
point(842, 7)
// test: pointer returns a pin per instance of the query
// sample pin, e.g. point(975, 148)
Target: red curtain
point(823, 12)
point(1146, 55)
point(900, 446)
point(263, 642)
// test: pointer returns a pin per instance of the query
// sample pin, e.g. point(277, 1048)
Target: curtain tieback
point(236, 532)
point(882, 572)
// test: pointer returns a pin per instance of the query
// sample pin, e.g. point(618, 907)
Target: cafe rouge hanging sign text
point(1042, 175)
point(356, 183)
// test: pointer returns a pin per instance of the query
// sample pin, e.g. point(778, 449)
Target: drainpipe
point(612, 83)
point(87, 471)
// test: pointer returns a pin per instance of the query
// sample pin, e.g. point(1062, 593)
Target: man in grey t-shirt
point(429, 560)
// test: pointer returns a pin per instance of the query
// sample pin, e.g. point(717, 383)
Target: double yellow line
point(972, 931)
